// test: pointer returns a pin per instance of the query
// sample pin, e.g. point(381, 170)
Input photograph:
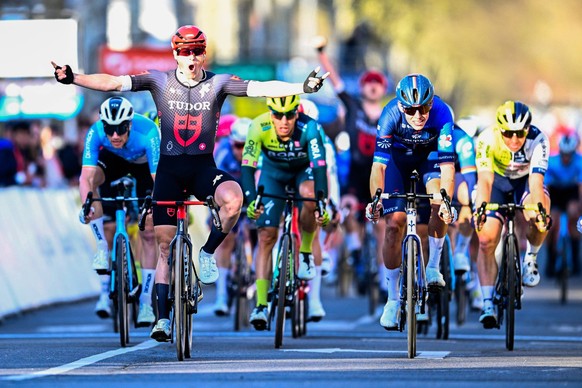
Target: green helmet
point(283, 104)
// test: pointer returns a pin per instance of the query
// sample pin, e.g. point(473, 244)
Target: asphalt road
point(68, 345)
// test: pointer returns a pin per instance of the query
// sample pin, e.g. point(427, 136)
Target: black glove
point(313, 83)
point(69, 76)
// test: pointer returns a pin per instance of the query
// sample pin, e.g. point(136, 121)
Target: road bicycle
point(563, 262)
point(413, 285)
point(371, 275)
point(509, 288)
point(125, 288)
point(185, 287)
point(287, 291)
point(242, 277)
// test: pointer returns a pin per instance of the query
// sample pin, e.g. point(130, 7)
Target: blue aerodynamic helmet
point(414, 90)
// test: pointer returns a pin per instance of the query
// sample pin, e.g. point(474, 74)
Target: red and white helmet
point(188, 36)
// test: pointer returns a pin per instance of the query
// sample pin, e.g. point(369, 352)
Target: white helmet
point(116, 110)
point(240, 129)
point(309, 108)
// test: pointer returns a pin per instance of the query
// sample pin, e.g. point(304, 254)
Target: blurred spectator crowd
point(39, 154)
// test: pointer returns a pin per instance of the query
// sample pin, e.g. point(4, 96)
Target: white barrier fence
point(45, 253)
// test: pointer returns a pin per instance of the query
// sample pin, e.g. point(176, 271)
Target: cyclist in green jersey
point(293, 154)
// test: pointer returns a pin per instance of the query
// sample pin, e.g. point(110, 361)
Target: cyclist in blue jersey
point(564, 182)
point(228, 157)
point(465, 186)
point(189, 99)
point(121, 142)
point(414, 133)
point(361, 119)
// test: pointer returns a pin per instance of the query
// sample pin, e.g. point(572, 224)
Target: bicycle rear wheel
point(461, 299)
point(121, 288)
point(190, 299)
point(511, 262)
point(240, 285)
point(566, 252)
point(284, 255)
point(444, 297)
point(411, 253)
point(180, 307)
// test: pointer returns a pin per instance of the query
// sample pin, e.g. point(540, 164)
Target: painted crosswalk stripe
point(421, 354)
point(82, 362)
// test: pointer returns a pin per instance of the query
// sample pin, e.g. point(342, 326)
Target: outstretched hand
point(313, 83)
point(63, 74)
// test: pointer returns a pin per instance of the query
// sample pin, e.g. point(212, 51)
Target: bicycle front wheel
point(566, 253)
point(511, 258)
point(444, 297)
point(121, 256)
point(284, 256)
point(180, 310)
point(190, 299)
point(411, 253)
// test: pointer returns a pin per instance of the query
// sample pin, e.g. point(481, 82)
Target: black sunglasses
point(289, 115)
point(423, 109)
point(239, 146)
point(520, 134)
point(187, 51)
point(120, 129)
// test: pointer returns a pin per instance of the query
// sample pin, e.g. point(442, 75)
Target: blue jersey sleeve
point(92, 145)
point(387, 123)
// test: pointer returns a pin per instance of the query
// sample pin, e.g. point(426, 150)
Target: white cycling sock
point(393, 278)
point(487, 292)
point(99, 233)
point(463, 243)
point(353, 241)
point(105, 281)
point(315, 285)
point(435, 248)
point(531, 249)
point(147, 279)
point(221, 283)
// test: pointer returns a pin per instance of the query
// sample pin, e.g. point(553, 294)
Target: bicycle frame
point(413, 285)
point(124, 286)
point(509, 288)
point(184, 289)
point(284, 267)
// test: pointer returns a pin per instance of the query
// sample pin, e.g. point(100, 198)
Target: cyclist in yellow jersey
point(511, 158)
point(293, 154)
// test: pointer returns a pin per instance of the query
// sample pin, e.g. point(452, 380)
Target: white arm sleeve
point(125, 83)
point(273, 89)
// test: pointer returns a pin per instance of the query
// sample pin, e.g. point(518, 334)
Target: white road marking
point(74, 328)
point(425, 355)
point(82, 362)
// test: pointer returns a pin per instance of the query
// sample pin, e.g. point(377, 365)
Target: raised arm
point(320, 44)
point(103, 82)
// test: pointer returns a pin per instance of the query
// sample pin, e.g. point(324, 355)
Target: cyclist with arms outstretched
point(414, 133)
point(293, 154)
point(121, 142)
point(189, 100)
point(512, 158)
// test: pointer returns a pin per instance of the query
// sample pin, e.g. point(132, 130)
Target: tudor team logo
point(187, 129)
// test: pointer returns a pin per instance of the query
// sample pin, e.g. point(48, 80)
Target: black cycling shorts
point(562, 196)
point(115, 167)
point(183, 175)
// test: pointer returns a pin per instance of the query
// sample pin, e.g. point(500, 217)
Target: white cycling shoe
point(390, 318)
point(462, 263)
point(531, 274)
point(316, 311)
point(145, 316)
point(101, 261)
point(306, 266)
point(434, 277)
point(208, 269)
point(220, 307)
point(161, 331)
point(103, 307)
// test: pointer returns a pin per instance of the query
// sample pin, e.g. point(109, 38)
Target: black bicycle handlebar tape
point(543, 214)
point(320, 205)
point(447, 200)
point(376, 199)
point(481, 213)
point(69, 76)
point(87, 204)
point(214, 208)
point(143, 212)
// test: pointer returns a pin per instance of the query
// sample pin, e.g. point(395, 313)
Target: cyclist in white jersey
point(189, 100)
